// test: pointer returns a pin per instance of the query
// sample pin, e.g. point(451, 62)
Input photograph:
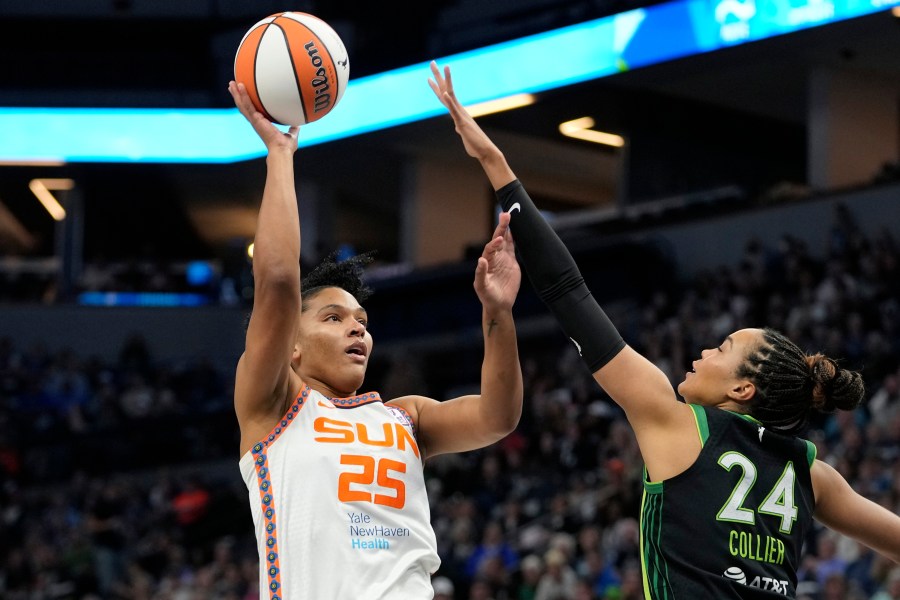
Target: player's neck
point(327, 390)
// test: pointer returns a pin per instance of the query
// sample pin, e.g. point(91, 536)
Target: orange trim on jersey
point(286, 418)
point(354, 401)
point(409, 419)
point(266, 495)
point(267, 499)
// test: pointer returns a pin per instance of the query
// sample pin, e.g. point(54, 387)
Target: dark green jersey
point(732, 525)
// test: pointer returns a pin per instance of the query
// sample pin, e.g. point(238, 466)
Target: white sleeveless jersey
point(339, 503)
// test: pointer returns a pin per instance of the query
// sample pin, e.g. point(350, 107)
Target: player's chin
point(357, 367)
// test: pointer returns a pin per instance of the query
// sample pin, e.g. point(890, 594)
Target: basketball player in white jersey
point(335, 478)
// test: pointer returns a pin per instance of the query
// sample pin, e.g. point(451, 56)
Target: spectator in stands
point(481, 590)
point(106, 518)
point(443, 588)
point(525, 586)
point(891, 590)
point(559, 580)
point(828, 562)
point(492, 546)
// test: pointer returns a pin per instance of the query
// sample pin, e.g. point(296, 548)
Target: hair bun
point(833, 387)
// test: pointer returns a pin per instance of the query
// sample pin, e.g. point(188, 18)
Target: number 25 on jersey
point(352, 485)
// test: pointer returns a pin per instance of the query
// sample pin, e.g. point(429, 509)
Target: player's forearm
point(842, 509)
point(496, 168)
point(276, 248)
point(557, 280)
point(501, 374)
point(878, 528)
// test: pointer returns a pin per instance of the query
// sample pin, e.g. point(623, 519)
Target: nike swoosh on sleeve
point(515, 206)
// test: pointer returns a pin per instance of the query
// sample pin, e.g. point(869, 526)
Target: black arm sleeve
point(557, 280)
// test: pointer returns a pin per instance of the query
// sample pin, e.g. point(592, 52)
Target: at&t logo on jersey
point(737, 575)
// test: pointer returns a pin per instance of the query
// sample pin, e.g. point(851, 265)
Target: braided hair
point(790, 384)
point(346, 274)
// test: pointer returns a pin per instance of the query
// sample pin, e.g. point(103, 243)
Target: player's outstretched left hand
point(497, 276)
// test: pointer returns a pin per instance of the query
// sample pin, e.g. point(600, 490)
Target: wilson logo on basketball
point(294, 66)
point(320, 81)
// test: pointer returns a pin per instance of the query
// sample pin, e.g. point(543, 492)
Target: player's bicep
point(450, 426)
point(842, 509)
point(251, 399)
point(832, 495)
point(639, 387)
point(264, 368)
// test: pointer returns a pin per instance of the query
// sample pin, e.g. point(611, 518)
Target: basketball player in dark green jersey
point(729, 492)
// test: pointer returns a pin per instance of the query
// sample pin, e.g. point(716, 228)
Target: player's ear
point(742, 391)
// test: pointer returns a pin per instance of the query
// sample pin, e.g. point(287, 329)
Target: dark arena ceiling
point(177, 53)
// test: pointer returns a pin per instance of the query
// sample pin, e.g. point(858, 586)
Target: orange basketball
point(295, 67)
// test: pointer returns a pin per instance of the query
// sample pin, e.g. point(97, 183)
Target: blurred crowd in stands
point(225, 282)
point(120, 480)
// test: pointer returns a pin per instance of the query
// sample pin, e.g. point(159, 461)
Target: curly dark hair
point(345, 274)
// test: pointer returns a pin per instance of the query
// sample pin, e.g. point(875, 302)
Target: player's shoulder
point(409, 403)
point(412, 404)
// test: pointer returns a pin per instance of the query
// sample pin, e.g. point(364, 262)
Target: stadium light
point(501, 104)
point(582, 129)
point(41, 189)
point(528, 65)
